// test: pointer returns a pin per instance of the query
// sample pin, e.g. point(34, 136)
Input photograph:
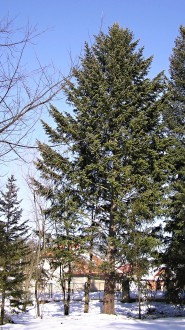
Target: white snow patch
point(156, 316)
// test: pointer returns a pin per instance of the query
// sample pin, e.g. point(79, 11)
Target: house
point(82, 267)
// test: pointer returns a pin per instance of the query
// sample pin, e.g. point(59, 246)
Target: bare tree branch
point(23, 93)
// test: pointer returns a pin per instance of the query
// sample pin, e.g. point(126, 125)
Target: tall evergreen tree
point(14, 249)
point(175, 242)
point(114, 142)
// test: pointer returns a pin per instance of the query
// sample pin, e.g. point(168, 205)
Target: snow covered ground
point(156, 316)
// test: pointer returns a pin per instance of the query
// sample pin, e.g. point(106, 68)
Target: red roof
point(125, 269)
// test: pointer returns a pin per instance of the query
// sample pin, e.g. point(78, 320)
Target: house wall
point(78, 284)
point(52, 288)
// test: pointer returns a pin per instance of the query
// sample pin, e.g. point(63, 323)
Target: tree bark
point(109, 289)
point(2, 308)
point(125, 290)
point(37, 299)
point(139, 299)
point(87, 291)
point(88, 283)
point(68, 298)
point(110, 278)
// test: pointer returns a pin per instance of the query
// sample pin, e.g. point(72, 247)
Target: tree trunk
point(87, 291)
point(37, 299)
point(68, 298)
point(109, 289)
point(110, 278)
point(125, 290)
point(2, 308)
point(88, 283)
point(139, 299)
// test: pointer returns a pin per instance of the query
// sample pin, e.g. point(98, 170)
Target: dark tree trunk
point(110, 278)
point(125, 290)
point(68, 298)
point(2, 308)
point(87, 291)
point(109, 289)
point(88, 284)
point(139, 298)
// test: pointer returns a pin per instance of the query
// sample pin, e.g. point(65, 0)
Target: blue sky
point(69, 23)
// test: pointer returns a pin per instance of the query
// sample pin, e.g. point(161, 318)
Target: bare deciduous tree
point(36, 273)
point(23, 92)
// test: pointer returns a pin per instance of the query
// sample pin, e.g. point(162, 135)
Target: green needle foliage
point(111, 148)
point(175, 228)
point(63, 215)
point(13, 248)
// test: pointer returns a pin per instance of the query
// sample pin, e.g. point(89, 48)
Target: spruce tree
point(175, 228)
point(14, 249)
point(113, 143)
point(66, 241)
point(64, 218)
